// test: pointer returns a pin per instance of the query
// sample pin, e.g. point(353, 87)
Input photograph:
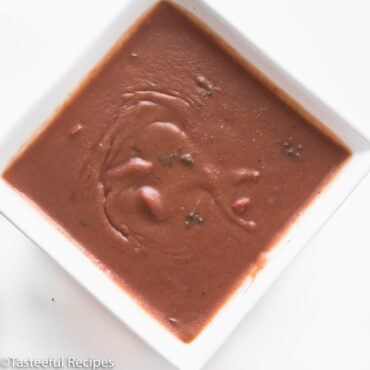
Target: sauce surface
point(176, 168)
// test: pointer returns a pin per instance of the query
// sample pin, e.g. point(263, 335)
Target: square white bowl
point(38, 227)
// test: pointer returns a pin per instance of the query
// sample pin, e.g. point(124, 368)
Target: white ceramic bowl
point(38, 227)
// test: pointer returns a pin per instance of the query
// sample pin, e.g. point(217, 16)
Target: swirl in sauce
point(141, 194)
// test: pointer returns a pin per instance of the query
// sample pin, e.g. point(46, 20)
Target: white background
point(317, 314)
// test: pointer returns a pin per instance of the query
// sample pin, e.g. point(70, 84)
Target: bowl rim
point(34, 223)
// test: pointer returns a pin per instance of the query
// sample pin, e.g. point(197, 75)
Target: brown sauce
point(175, 167)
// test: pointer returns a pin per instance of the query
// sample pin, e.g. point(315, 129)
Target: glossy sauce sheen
point(175, 168)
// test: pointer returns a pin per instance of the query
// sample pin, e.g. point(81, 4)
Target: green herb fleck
point(203, 83)
point(291, 152)
point(193, 218)
point(167, 160)
point(292, 149)
point(187, 158)
point(136, 150)
point(83, 222)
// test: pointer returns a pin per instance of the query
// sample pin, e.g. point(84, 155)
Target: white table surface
point(317, 314)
